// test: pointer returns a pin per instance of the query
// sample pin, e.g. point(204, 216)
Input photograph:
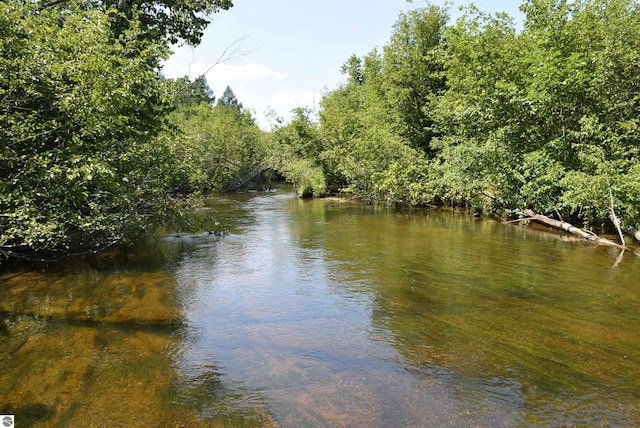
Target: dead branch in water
point(567, 227)
point(614, 218)
point(518, 220)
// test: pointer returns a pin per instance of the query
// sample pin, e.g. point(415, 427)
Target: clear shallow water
point(326, 313)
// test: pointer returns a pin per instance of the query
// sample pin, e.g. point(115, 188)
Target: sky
point(281, 54)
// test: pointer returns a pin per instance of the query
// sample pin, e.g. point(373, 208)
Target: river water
point(327, 313)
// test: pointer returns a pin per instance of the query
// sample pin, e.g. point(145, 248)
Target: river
point(326, 313)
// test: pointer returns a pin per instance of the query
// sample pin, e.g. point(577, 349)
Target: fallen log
point(568, 227)
point(557, 224)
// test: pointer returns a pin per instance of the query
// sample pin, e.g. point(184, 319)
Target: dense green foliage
point(483, 114)
point(215, 147)
point(185, 92)
point(294, 153)
point(96, 147)
point(540, 118)
point(82, 164)
point(159, 20)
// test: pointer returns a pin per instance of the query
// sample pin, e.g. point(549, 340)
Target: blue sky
point(286, 53)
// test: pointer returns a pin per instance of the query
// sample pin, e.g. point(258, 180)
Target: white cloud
point(227, 72)
point(254, 85)
point(283, 103)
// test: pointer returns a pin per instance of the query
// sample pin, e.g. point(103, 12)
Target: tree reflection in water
point(320, 313)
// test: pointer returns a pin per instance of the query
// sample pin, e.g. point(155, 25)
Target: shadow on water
point(94, 342)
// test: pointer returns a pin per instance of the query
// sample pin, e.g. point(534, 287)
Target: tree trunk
point(563, 225)
point(613, 216)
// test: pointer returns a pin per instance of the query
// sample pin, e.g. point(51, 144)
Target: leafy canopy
point(166, 20)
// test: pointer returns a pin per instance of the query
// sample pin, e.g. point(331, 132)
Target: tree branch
point(49, 4)
point(229, 54)
point(567, 227)
point(614, 218)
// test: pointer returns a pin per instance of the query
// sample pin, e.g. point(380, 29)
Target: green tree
point(84, 161)
point(412, 73)
point(479, 113)
point(480, 58)
point(543, 118)
point(159, 20)
point(376, 128)
point(186, 92)
point(362, 154)
point(229, 99)
point(353, 69)
point(295, 153)
point(216, 147)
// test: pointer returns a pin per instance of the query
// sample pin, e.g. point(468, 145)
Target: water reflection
point(289, 320)
point(540, 331)
point(94, 343)
point(326, 313)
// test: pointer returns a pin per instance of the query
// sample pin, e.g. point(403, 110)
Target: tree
point(185, 92)
point(544, 118)
point(353, 69)
point(216, 147)
point(229, 99)
point(480, 58)
point(83, 162)
point(295, 153)
point(159, 20)
point(361, 152)
point(412, 74)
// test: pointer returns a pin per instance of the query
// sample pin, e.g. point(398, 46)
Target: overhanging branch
point(49, 4)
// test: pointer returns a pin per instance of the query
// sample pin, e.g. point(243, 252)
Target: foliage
point(183, 92)
point(216, 147)
point(480, 113)
point(412, 75)
point(373, 129)
point(477, 57)
point(97, 148)
point(229, 99)
point(81, 164)
point(294, 153)
point(166, 21)
point(376, 129)
point(548, 112)
point(360, 152)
